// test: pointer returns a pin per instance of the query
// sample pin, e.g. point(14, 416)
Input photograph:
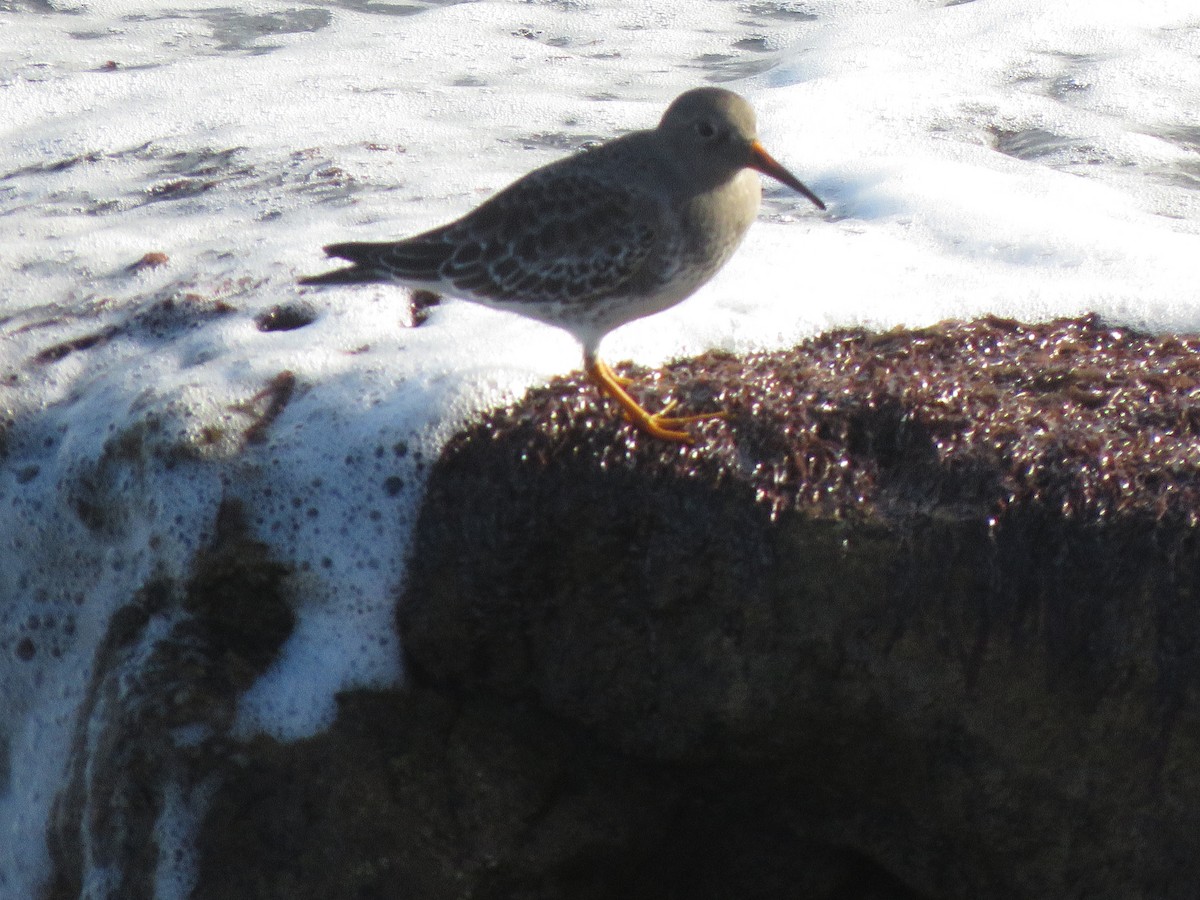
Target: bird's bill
point(764, 162)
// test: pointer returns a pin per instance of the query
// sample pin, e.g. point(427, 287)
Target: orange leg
point(619, 379)
point(658, 425)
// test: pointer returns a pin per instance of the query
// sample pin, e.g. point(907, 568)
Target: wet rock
point(418, 794)
point(158, 709)
point(421, 303)
point(286, 317)
point(152, 260)
point(267, 405)
point(927, 600)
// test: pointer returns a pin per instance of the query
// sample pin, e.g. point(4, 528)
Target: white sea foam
point(1014, 157)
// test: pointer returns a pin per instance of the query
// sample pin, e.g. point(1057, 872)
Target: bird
point(616, 232)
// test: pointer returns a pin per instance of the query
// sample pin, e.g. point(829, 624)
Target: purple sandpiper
point(616, 232)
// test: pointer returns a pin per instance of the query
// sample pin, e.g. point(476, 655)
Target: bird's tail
point(413, 260)
point(361, 253)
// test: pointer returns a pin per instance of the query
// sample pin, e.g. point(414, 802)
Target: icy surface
point(1013, 157)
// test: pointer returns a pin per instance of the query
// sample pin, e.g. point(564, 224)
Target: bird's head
point(714, 134)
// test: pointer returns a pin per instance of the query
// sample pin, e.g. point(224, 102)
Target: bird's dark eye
point(705, 129)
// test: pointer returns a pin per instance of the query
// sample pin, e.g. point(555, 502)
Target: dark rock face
point(421, 795)
point(929, 599)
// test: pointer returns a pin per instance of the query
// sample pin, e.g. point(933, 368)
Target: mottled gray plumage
point(614, 233)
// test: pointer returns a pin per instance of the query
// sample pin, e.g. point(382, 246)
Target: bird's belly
point(711, 229)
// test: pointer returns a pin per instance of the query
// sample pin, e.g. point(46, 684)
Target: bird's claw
point(667, 428)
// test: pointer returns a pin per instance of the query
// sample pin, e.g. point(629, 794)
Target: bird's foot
point(659, 425)
point(666, 428)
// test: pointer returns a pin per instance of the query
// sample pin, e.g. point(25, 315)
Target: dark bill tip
point(764, 162)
